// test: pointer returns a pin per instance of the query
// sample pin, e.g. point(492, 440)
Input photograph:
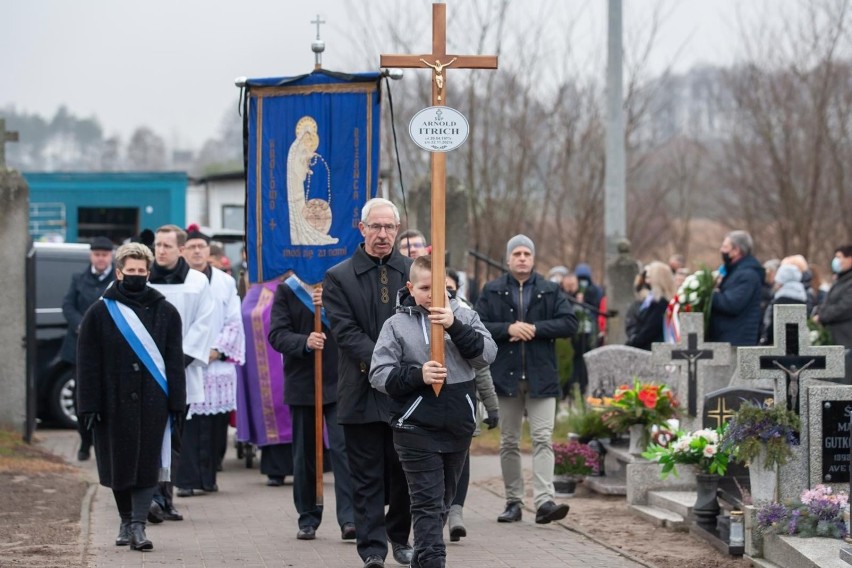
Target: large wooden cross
point(5, 137)
point(439, 61)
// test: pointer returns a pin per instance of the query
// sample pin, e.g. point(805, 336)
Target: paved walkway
point(247, 524)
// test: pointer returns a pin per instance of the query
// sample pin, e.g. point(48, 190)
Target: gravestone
point(718, 408)
point(14, 218)
point(829, 430)
point(796, 366)
point(611, 366)
point(701, 367)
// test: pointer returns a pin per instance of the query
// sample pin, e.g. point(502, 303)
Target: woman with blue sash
point(131, 388)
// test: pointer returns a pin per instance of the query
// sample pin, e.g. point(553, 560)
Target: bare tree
point(787, 158)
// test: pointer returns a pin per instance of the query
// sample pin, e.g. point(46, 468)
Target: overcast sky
point(171, 64)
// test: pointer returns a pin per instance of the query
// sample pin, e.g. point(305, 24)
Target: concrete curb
point(86, 521)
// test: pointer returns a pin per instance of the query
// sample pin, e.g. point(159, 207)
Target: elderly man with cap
point(205, 434)
point(525, 313)
point(85, 289)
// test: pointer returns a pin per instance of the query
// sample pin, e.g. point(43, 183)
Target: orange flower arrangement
point(644, 403)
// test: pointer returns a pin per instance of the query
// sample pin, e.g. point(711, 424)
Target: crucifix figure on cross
point(438, 67)
point(792, 363)
point(792, 375)
point(439, 164)
point(692, 354)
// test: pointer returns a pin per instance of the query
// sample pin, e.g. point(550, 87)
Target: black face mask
point(726, 258)
point(134, 282)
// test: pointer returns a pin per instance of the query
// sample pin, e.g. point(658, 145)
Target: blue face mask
point(835, 265)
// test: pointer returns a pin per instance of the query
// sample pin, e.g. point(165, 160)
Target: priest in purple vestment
point(262, 417)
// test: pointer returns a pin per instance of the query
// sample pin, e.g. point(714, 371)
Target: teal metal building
point(77, 207)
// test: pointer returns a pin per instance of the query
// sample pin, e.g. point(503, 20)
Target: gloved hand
point(492, 420)
point(89, 419)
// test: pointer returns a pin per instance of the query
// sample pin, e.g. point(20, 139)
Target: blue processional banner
point(312, 161)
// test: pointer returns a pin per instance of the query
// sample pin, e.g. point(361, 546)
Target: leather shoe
point(171, 514)
point(138, 540)
point(83, 455)
point(275, 482)
point(511, 514)
point(184, 492)
point(374, 562)
point(123, 538)
point(212, 489)
point(155, 513)
point(307, 533)
point(347, 531)
point(550, 511)
point(402, 553)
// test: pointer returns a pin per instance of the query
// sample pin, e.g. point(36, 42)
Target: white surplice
point(196, 306)
point(228, 337)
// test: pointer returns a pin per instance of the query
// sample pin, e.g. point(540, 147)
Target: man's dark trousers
point(432, 481)
point(372, 458)
point(305, 467)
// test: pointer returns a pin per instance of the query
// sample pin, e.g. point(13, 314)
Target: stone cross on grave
point(438, 62)
point(5, 136)
point(792, 360)
point(691, 352)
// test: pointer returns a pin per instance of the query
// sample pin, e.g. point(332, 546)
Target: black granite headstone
point(719, 407)
point(835, 440)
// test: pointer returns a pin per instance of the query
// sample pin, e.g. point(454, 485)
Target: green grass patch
point(10, 442)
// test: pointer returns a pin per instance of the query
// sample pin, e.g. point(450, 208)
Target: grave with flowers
point(610, 368)
point(806, 380)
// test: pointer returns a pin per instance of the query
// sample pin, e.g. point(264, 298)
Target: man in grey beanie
point(524, 312)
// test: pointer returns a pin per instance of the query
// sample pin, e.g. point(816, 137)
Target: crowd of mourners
point(169, 348)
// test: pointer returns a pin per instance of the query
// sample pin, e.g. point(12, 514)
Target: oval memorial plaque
point(438, 129)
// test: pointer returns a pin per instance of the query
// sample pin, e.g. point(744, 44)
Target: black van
point(55, 263)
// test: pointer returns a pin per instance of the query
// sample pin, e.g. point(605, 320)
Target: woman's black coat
point(113, 382)
point(649, 325)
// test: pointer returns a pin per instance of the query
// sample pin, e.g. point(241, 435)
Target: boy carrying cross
point(431, 433)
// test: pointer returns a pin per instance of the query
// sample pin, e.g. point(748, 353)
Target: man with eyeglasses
point(412, 243)
point(359, 294)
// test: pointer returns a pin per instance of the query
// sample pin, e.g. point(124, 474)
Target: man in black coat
point(291, 332)
point(525, 314)
point(359, 294)
point(85, 289)
point(735, 314)
point(121, 398)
